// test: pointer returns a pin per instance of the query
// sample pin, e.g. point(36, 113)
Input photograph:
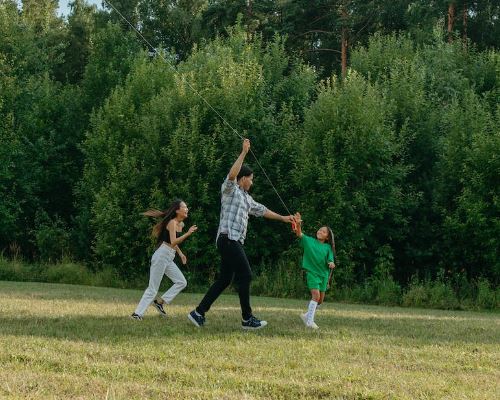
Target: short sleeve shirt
point(317, 255)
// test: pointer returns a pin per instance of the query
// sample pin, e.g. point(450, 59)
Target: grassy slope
point(62, 341)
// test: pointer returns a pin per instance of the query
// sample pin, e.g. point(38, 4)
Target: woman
point(162, 262)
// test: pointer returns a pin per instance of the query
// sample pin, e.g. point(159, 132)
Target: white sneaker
point(312, 325)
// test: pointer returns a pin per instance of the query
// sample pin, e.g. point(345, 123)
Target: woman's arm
point(181, 255)
point(172, 229)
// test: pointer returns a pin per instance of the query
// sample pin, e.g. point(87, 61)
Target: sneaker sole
point(164, 315)
point(193, 321)
point(250, 328)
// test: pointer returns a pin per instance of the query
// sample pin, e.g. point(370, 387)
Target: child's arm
point(297, 219)
point(331, 260)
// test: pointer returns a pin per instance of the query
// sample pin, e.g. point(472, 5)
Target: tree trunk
point(451, 20)
point(344, 43)
point(250, 27)
point(464, 19)
point(250, 8)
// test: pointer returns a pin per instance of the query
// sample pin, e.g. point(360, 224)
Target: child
point(318, 260)
point(162, 261)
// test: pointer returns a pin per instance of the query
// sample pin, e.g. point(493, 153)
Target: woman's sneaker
point(253, 323)
point(159, 307)
point(197, 319)
point(137, 317)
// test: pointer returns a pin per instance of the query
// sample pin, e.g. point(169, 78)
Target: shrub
point(108, 277)
point(68, 272)
point(284, 280)
point(442, 296)
point(13, 270)
point(417, 294)
point(52, 239)
point(486, 297)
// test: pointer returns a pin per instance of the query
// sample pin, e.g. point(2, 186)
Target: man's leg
point(225, 246)
point(243, 277)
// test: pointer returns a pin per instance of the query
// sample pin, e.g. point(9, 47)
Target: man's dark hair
point(244, 171)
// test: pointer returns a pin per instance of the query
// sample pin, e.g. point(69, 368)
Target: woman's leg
point(176, 276)
point(158, 265)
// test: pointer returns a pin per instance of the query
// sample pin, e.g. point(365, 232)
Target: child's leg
point(321, 298)
point(311, 309)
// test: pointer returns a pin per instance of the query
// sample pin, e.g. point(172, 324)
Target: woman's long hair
point(165, 215)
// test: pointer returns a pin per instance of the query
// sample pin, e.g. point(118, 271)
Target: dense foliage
point(399, 154)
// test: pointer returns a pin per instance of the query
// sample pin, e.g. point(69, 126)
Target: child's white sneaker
point(312, 325)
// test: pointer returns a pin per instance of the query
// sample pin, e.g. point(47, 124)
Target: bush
point(13, 270)
point(486, 297)
point(68, 272)
point(108, 277)
point(442, 296)
point(433, 294)
point(417, 295)
point(284, 280)
point(388, 292)
point(52, 239)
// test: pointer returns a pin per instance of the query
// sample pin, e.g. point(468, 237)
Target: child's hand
point(331, 265)
point(298, 218)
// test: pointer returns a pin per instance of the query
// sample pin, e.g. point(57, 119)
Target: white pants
point(162, 263)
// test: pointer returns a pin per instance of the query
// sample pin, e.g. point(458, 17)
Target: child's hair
point(165, 215)
point(331, 240)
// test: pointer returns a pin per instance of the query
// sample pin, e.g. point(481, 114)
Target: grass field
point(69, 342)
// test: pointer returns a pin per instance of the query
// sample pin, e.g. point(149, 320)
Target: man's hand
point(287, 218)
point(246, 146)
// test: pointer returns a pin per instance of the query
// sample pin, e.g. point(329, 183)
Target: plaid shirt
point(236, 205)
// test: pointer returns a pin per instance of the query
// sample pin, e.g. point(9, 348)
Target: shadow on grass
point(224, 324)
point(337, 322)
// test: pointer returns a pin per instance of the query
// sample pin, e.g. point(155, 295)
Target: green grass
point(63, 341)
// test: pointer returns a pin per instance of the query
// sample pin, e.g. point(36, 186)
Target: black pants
point(234, 264)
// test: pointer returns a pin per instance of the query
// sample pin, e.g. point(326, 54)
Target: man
point(236, 205)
